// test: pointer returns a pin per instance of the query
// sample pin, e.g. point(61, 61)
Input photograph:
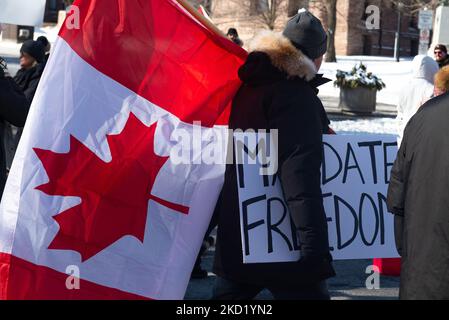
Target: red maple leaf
point(114, 196)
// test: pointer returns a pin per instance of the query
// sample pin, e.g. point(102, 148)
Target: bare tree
point(331, 9)
point(411, 7)
point(268, 11)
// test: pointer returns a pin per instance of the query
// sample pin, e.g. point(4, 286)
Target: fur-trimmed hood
point(283, 55)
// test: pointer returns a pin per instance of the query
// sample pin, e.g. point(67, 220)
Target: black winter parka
point(279, 92)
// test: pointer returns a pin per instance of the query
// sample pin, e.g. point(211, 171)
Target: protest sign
point(355, 177)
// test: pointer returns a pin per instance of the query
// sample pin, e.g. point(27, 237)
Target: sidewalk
point(349, 284)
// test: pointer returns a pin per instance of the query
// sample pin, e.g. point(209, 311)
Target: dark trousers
point(230, 290)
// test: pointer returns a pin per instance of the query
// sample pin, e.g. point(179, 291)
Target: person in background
point(13, 109)
point(234, 37)
point(32, 55)
point(47, 47)
point(442, 81)
point(441, 56)
point(417, 90)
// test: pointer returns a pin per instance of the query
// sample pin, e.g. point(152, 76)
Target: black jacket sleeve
point(13, 104)
point(295, 112)
point(397, 190)
point(33, 83)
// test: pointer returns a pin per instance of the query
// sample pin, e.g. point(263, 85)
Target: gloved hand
point(4, 68)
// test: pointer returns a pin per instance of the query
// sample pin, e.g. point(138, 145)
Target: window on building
point(414, 19)
point(52, 5)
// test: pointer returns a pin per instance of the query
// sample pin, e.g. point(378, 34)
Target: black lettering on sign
point(350, 153)
point(371, 145)
point(361, 215)
point(247, 227)
point(266, 179)
point(328, 219)
point(241, 145)
point(387, 164)
point(382, 205)
point(274, 227)
point(241, 176)
point(325, 179)
point(337, 201)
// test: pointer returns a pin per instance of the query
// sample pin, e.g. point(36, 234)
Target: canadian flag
point(95, 206)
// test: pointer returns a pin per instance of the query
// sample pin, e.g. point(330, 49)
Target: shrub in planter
point(358, 89)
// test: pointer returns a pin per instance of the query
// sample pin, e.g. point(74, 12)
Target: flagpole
point(200, 17)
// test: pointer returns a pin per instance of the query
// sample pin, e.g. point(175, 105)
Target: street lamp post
point(397, 41)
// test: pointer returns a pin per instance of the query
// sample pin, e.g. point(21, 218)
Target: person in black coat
point(417, 196)
point(279, 91)
point(32, 55)
point(13, 108)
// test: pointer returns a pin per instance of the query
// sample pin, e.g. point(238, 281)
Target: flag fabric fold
point(95, 206)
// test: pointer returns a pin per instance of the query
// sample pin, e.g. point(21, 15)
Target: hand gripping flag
point(97, 205)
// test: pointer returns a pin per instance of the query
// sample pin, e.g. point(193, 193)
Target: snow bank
point(371, 125)
point(394, 74)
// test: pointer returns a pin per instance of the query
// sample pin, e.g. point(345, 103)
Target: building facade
point(352, 37)
point(16, 33)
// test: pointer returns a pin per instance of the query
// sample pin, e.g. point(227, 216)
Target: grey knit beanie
point(307, 34)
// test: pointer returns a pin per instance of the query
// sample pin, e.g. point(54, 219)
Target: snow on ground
point(365, 125)
point(394, 74)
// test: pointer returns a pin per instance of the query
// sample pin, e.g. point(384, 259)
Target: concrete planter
point(358, 100)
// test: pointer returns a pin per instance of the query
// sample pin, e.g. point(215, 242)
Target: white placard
point(22, 12)
point(355, 177)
